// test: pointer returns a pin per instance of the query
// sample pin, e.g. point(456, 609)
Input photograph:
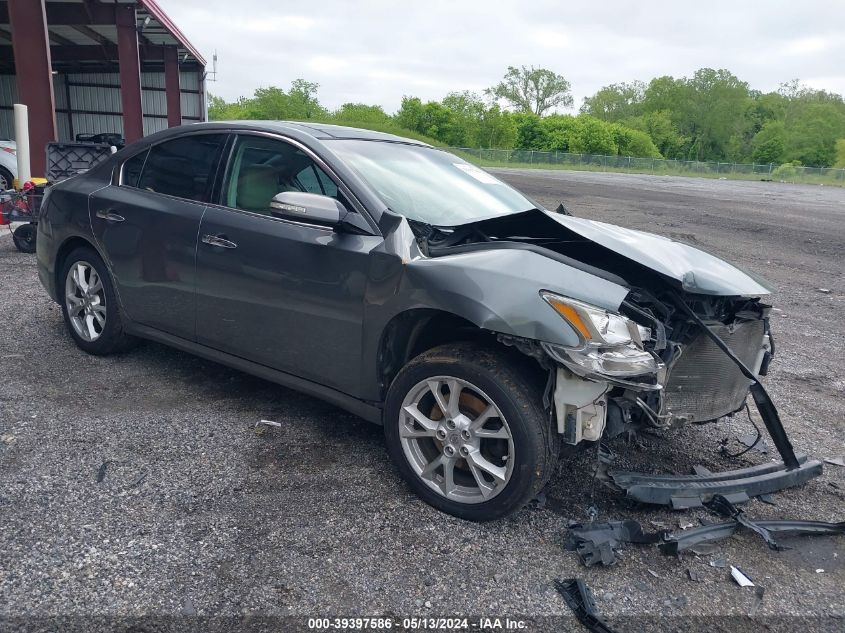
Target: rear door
point(282, 293)
point(147, 228)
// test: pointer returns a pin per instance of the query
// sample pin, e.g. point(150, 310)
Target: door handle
point(109, 216)
point(218, 240)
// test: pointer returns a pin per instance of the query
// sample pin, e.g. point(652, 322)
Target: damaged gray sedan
point(415, 290)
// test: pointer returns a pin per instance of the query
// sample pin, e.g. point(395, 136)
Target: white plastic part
point(580, 407)
point(22, 143)
point(766, 347)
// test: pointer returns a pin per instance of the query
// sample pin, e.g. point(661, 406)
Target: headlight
point(611, 345)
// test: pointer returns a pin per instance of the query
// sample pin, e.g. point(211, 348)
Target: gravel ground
point(135, 486)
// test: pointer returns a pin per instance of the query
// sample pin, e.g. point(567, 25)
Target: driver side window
point(262, 167)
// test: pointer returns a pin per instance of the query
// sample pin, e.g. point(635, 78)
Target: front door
point(147, 228)
point(281, 293)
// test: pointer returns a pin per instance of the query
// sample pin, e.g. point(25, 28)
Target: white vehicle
point(8, 163)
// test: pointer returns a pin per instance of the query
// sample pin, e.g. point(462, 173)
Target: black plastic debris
point(754, 441)
point(676, 542)
point(579, 598)
point(101, 471)
point(597, 542)
point(705, 549)
point(738, 486)
point(722, 506)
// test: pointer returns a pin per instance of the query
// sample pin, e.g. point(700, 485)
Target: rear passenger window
point(183, 167)
point(132, 169)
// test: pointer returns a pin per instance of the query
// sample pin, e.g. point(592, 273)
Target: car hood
point(697, 271)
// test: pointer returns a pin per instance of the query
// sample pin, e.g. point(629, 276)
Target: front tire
point(465, 425)
point(89, 305)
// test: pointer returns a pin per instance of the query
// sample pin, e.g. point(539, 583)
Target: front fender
point(499, 290)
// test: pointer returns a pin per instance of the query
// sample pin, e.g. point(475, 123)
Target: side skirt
point(370, 412)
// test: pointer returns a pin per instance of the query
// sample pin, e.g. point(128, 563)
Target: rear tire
point(24, 237)
point(89, 305)
point(473, 466)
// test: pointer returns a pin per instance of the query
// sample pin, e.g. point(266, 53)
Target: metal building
point(95, 66)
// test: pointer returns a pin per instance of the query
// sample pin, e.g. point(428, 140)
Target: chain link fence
point(662, 166)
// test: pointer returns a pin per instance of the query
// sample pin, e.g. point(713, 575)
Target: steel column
point(34, 75)
point(171, 84)
point(129, 63)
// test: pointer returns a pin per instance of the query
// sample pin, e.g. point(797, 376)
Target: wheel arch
point(417, 330)
point(66, 248)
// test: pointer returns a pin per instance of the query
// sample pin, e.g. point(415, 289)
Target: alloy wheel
point(456, 439)
point(85, 299)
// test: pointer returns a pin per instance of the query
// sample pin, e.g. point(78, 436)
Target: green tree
point(840, 154)
point(530, 132)
point(770, 144)
point(360, 114)
point(532, 90)
point(616, 101)
point(303, 102)
point(662, 131)
point(630, 142)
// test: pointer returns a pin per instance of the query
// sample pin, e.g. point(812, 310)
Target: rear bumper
point(738, 486)
point(45, 254)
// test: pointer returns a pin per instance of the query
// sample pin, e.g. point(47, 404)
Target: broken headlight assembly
point(610, 345)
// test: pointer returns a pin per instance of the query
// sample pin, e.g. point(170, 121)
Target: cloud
point(375, 51)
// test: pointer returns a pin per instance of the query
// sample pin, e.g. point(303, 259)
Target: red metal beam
point(171, 84)
point(88, 53)
point(68, 13)
point(34, 76)
point(129, 63)
point(162, 18)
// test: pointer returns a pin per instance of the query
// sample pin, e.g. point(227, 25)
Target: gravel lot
point(135, 486)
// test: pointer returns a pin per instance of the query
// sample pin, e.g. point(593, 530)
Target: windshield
point(427, 184)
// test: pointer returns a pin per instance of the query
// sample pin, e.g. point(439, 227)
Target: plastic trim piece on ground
point(579, 598)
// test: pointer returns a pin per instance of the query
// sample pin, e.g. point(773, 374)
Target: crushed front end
point(663, 362)
point(687, 344)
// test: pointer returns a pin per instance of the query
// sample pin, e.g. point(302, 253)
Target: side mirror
point(312, 208)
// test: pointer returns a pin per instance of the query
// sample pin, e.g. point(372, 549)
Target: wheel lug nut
point(451, 424)
point(465, 434)
point(449, 451)
point(441, 434)
point(464, 451)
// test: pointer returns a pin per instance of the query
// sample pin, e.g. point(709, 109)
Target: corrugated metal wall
point(89, 103)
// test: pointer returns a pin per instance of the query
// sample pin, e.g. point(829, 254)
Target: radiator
point(704, 384)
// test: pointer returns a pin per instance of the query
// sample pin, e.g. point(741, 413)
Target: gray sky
point(375, 51)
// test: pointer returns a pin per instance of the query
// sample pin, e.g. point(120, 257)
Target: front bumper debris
point(579, 598)
point(675, 542)
point(737, 486)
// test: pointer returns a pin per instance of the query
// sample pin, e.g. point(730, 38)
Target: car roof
point(320, 131)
